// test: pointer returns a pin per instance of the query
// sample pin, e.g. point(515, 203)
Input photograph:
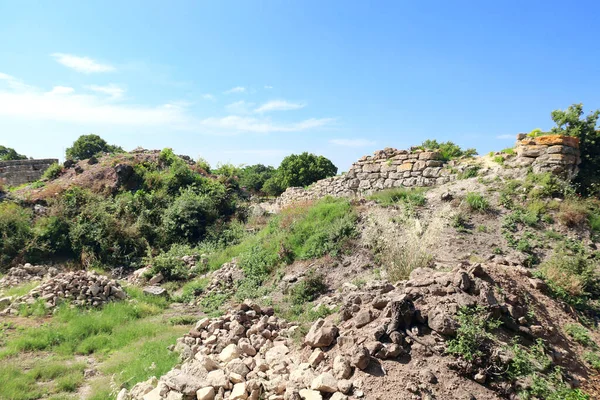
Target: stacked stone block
point(552, 153)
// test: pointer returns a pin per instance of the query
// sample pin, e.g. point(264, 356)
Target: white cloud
point(82, 64)
point(279, 105)
point(236, 124)
point(237, 89)
point(239, 107)
point(62, 104)
point(268, 87)
point(352, 142)
point(506, 136)
point(114, 91)
point(208, 96)
point(61, 90)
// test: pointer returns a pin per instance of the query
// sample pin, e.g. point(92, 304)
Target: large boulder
point(321, 334)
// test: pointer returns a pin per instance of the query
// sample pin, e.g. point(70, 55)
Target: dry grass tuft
point(573, 213)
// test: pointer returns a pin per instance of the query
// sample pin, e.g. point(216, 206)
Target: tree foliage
point(87, 146)
point(8, 154)
point(304, 169)
point(571, 122)
point(448, 150)
point(253, 177)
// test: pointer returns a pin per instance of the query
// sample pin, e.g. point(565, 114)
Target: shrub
point(593, 359)
point(309, 288)
point(410, 197)
point(253, 177)
point(448, 150)
point(170, 263)
point(52, 172)
point(273, 186)
point(473, 333)
point(87, 146)
point(50, 238)
point(573, 213)
point(477, 202)
point(570, 277)
point(460, 222)
point(188, 216)
point(470, 172)
point(15, 231)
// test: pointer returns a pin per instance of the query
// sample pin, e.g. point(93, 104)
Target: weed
point(477, 202)
point(473, 333)
point(579, 334)
point(183, 320)
point(191, 290)
point(482, 228)
point(52, 172)
point(573, 213)
point(593, 359)
point(460, 222)
point(410, 197)
point(212, 303)
point(470, 172)
point(498, 159)
point(309, 288)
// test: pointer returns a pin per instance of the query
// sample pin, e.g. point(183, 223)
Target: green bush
point(189, 215)
point(15, 231)
point(50, 238)
point(52, 172)
point(253, 177)
point(170, 264)
point(477, 202)
point(448, 150)
point(87, 146)
point(309, 288)
point(304, 169)
point(411, 197)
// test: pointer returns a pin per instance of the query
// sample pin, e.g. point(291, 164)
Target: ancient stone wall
point(552, 153)
point(17, 172)
point(391, 168)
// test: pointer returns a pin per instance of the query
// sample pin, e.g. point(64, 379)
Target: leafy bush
point(273, 186)
point(411, 197)
point(570, 122)
point(309, 288)
point(52, 172)
point(189, 215)
point(50, 238)
point(170, 263)
point(477, 202)
point(448, 150)
point(15, 231)
point(87, 146)
point(570, 277)
point(253, 177)
point(473, 333)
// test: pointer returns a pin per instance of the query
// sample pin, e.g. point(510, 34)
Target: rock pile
point(81, 288)
point(242, 355)
point(26, 273)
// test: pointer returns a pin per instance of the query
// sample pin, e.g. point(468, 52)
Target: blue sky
point(253, 81)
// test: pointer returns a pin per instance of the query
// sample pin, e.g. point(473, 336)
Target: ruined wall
point(552, 153)
point(17, 172)
point(391, 168)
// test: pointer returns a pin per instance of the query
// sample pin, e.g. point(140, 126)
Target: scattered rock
point(321, 334)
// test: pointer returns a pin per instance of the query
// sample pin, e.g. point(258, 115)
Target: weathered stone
point(239, 392)
point(341, 368)
point(155, 291)
point(207, 393)
point(229, 353)
point(325, 382)
point(363, 318)
point(440, 320)
point(361, 357)
point(307, 394)
point(321, 334)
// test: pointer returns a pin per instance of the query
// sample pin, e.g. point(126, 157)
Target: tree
point(87, 146)
point(304, 169)
point(253, 177)
point(448, 150)
point(570, 122)
point(8, 154)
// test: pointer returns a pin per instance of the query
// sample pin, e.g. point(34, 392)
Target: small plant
point(593, 359)
point(477, 202)
point(309, 288)
point(579, 334)
point(573, 213)
point(470, 172)
point(460, 222)
point(499, 160)
point(482, 228)
point(497, 251)
point(410, 197)
point(52, 172)
point(473, 334)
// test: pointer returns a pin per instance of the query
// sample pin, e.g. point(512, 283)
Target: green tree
point(7, 154)
point(87, 146)
point(253, 177)
point(570, 122)
point(273, 186)
point(448, 150)
point(304, 169)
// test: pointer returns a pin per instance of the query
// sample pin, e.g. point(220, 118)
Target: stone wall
point(552, 153)
point(17, 172)
point(391, 168)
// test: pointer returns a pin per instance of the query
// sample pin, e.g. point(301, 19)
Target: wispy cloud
point(237, 89)
point(63, 104)
point(208, 96)
point(506, 136)
point(279, 105)
point(61, 90)
point(114, 91)
point(268, 87)
point(239, 107)
point(352, 142)
point(85, 65)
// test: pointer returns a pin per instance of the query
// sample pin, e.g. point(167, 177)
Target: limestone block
point(434, 163)
point(429, 155)
point(364, 184)
point(388, 183)
point(405, 167)
point(375, 167)
point(531, 151)
point(385, 167)
point(419, 165)
point(413, 156)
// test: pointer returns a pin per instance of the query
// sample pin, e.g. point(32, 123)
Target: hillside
point(420, 278)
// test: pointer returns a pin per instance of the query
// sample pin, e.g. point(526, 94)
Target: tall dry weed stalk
point(401, 244)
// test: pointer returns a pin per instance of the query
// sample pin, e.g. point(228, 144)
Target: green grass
point(477, 202)
point(42, 377)
point(20, 290)
point(410, 197)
